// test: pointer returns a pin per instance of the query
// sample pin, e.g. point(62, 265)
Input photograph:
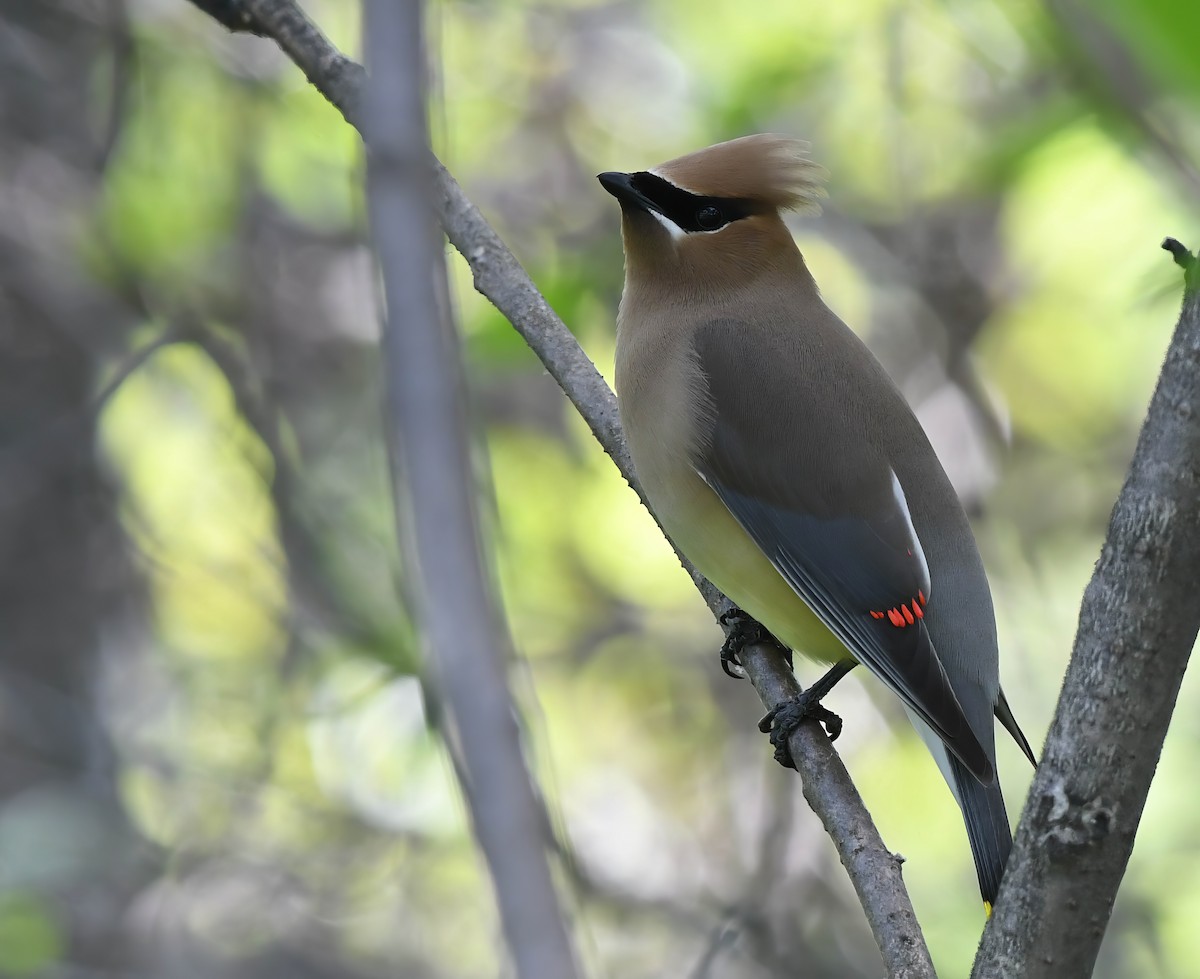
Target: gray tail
point(987, 827)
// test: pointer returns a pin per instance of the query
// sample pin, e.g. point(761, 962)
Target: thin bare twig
point(437, 513)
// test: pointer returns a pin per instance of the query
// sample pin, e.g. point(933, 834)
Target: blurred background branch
point(436, 495)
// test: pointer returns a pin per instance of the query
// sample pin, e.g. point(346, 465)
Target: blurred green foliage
point(1000, 176)
point(29, 939)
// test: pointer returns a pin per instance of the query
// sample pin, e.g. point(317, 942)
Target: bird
point(783, 461)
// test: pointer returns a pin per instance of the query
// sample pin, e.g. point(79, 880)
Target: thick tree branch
point(1137, 627)
point(430, 450)
point(874, 871)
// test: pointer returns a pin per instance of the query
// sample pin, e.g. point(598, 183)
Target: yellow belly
point(704, 529)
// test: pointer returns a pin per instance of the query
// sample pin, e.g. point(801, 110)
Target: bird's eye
point(710, 218)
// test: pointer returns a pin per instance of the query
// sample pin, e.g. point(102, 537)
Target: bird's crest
point(768, 168)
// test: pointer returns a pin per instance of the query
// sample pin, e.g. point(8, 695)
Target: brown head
point(712, 218)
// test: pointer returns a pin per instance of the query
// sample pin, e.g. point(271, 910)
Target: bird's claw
point(781, 721)
point(741, 631)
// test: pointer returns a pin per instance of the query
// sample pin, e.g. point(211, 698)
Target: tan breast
point(658, 387)
point(660, 395)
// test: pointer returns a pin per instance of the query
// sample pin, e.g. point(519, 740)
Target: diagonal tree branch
point(873, 870)
point(1137, 627)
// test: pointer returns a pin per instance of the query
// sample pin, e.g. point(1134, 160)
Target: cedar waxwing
point(784, 462)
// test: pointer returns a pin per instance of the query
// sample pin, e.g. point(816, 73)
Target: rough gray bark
point(872, 868)
point(436, 511)
point(1137, 627)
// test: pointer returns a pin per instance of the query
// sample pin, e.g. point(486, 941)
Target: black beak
point(620, 185)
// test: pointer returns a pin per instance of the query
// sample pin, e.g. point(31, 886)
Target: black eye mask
point(691, 212)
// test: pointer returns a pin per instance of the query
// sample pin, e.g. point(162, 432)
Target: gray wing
point(816, 495)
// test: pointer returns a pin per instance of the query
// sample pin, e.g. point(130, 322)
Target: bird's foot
point(781, 721)
point(741, 631)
